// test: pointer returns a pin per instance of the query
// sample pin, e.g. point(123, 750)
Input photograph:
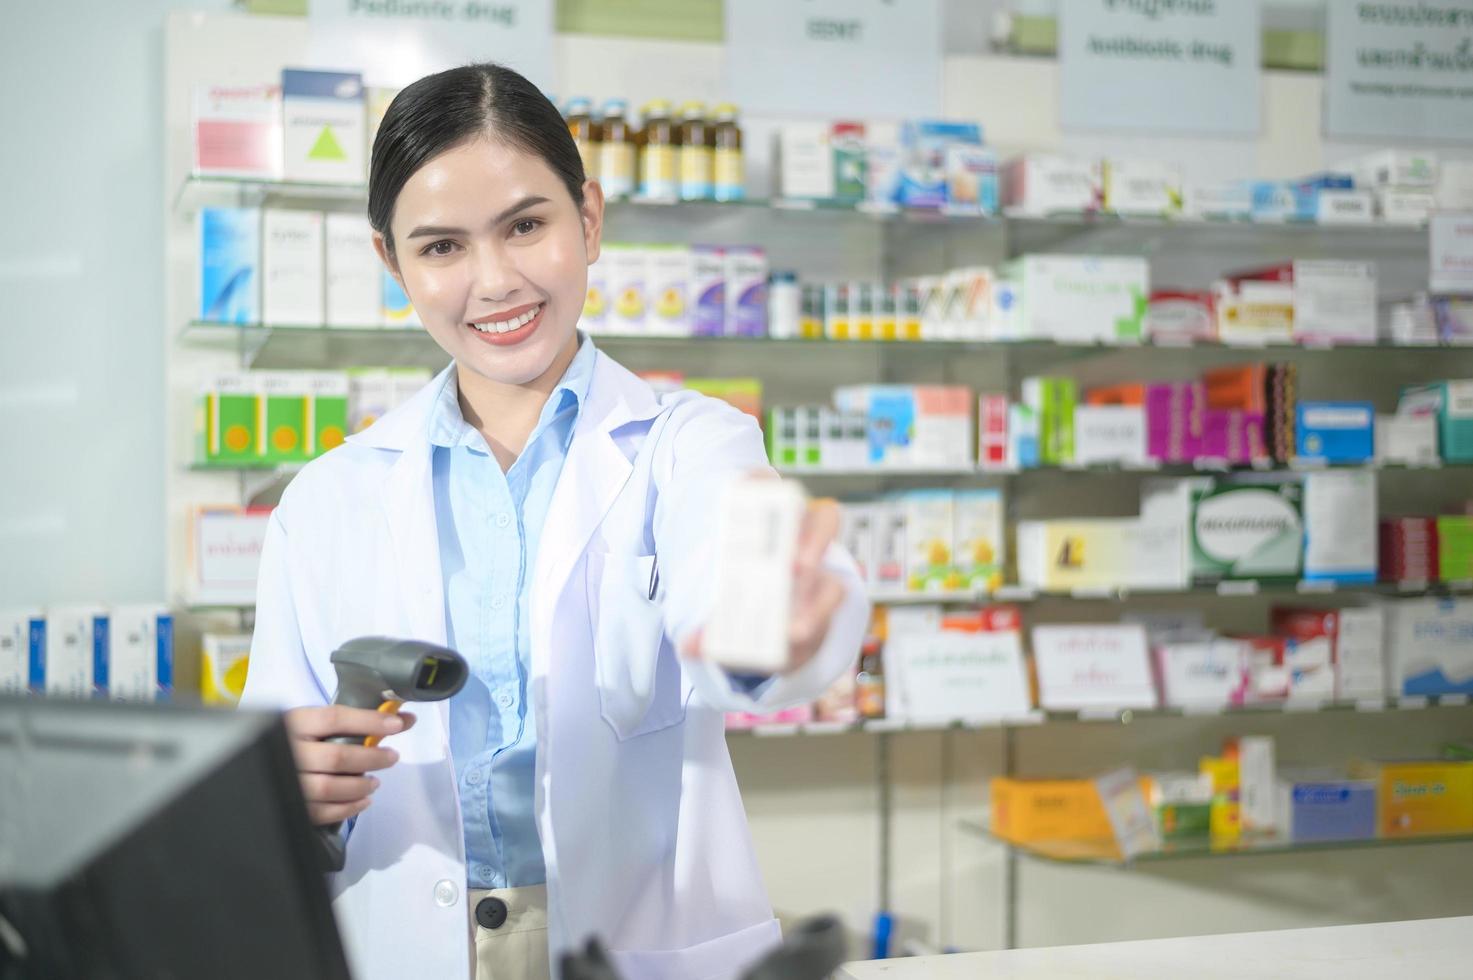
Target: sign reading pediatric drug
point(1159, 65)
point(1400, 70)
point(394, 42)
point(835, 58)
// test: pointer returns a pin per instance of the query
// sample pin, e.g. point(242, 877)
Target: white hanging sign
point(835, 59)
point(1166, 66)
point(1400, 71)
point(394, 42)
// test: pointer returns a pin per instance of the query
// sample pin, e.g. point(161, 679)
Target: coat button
point(491, 912)
point(446, 894)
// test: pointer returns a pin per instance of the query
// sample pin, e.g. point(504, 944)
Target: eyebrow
point(424, 231)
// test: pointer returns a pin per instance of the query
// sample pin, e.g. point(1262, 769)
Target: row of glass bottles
point(693, 158)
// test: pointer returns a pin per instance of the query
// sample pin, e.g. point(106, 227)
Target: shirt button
point(502, 520)
point(485, 871)
point(474, 777)
point(497, 602)
point(446, 893)
point(504, 700)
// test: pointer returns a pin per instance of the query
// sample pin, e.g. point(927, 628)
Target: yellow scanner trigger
point(387, 708)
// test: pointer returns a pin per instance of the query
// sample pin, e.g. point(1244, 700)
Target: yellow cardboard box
point(1039, 810)
point(1421, 797)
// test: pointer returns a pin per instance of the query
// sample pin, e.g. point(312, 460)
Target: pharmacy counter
point(1430, 949)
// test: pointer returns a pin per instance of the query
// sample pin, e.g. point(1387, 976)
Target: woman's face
point(494, 255)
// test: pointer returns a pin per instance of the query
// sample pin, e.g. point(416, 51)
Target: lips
point(507, 329)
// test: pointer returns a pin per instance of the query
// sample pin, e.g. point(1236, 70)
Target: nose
point(496, 272)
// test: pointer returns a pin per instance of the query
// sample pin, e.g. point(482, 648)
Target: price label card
point(1096, 666)
point(227, 554)
point(947, 675)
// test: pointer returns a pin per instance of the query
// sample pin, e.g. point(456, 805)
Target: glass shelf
point(1040, 231)
point(1106, 852)
point(288, 345)
point(1235, 588)
point(245, 466)
point(1149, 468)
point(1113, 716)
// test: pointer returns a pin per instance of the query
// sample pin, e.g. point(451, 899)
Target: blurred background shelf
point(1106, 852)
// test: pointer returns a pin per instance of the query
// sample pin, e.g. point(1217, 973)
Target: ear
point(381, 246)
point(592, 213)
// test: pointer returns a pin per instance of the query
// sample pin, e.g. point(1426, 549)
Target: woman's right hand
point(334, 776)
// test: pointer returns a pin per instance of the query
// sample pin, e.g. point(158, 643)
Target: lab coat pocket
point(640, 684)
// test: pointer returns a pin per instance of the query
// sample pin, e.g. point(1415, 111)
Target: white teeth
point(506, 326)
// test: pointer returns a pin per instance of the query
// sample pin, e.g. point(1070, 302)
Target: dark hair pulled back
point(442, 111)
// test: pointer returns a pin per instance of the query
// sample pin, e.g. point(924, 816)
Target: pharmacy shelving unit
point(823, 242)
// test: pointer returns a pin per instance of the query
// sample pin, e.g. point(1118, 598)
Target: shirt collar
point(447, 424)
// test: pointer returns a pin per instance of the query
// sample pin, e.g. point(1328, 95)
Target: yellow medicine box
point(1039, 810)
point(1421, 797)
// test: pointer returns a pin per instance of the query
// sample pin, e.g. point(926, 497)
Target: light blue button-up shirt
point(490, 524)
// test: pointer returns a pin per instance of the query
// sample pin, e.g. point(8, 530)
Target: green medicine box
point(328, 426)
point(227, 419)
point(1454, 548)
point(1248, 531)
point(285, 408)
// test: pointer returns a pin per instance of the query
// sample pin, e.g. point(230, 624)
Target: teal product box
point(1247, 531)
point(890, 420)
point(1329, 810)
point(230, 265)
point(1335, 432)
point(931, 152)
point(22, 651)
point(1451, 402)
point(1274, 200)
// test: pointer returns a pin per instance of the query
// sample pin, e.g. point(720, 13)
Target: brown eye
point(526, 226)
point(442, 248)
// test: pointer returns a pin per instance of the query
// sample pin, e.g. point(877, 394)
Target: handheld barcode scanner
point(382, 673)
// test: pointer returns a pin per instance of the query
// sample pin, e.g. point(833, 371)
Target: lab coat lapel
point(409, 508)
point(594, 472)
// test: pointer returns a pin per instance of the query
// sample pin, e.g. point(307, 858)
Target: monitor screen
point(141, 840)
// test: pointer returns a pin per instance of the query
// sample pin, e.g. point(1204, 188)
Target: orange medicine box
point(1036, 810)
point(1421, 797)
point(1123, 394)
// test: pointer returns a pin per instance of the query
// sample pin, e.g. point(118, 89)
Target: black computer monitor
point(156, 841)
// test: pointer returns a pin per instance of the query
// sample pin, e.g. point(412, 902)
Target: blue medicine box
point(1335, 432)
point(1331, 810)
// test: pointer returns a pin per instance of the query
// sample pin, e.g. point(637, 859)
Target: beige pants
point(516, 949)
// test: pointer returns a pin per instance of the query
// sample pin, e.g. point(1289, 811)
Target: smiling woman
point(542, 511)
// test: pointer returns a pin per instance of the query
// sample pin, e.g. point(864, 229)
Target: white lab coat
point(643, 833)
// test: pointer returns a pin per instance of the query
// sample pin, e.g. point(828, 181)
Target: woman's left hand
point(817, 592)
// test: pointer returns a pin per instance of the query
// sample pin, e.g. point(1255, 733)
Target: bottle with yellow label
point(616, 151)
point(658, 141)
point(730, 178)
point(697, 148)
point(586, 133)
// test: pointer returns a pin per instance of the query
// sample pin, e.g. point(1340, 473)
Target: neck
point(506, 414)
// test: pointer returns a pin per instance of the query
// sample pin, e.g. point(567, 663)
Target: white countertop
point(1428, 949)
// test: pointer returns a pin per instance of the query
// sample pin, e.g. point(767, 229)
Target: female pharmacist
point(538, 508)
